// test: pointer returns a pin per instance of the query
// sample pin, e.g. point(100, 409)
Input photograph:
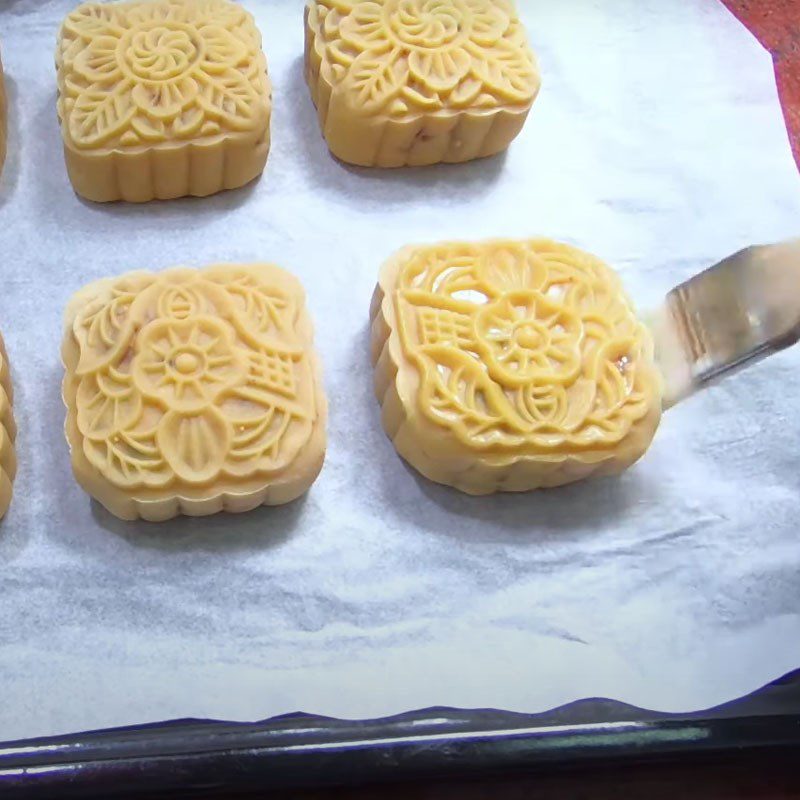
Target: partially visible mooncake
point(511, 365)
point(8, 432)
point(162, 98)
point(193, 391)
point(416, 82)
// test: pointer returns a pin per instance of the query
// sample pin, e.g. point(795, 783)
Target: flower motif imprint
point(400, 56)
point(189, 376)
point(527, 337)
point(531, 346)
point(160, 70)
point(186, 364)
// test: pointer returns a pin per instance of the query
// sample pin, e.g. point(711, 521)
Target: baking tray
point(45, 225)
point(193, 758)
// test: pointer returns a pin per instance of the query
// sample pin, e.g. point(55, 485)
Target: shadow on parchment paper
point(58, 202)
point(10, 174)
point(444, 183)
point(260, 529)
point(574, 511)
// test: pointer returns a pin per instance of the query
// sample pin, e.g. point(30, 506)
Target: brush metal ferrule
point(733, 314)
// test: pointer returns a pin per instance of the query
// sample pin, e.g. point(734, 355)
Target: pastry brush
point(733, 314)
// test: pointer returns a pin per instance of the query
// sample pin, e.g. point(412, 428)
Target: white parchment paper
point(658, 144)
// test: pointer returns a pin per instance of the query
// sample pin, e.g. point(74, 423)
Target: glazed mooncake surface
point(8, 431)
point(511, 365)
point(193, 391)
point(415, 82)
point(162, 98)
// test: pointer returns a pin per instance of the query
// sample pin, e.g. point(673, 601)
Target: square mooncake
point(511, 365)
point(8, 432)
point(193, 391)
point(416, 82)
point(162, 98)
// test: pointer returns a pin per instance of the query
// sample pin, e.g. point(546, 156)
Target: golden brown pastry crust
point(162, 98)
point(509, 366)
point(8, 433)
point(193, 391)
point(417, 82)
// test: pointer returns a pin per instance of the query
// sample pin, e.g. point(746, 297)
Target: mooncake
point(511, 365)
point(162, 98)
point(8, 432)
point(417, 82)
point(193, 391)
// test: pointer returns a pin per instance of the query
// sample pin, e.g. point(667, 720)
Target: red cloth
point(776, 23)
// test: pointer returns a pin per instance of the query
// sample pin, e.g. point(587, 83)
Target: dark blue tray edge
point(194, 757)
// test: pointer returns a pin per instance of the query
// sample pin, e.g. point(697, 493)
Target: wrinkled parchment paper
point(658, 144)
